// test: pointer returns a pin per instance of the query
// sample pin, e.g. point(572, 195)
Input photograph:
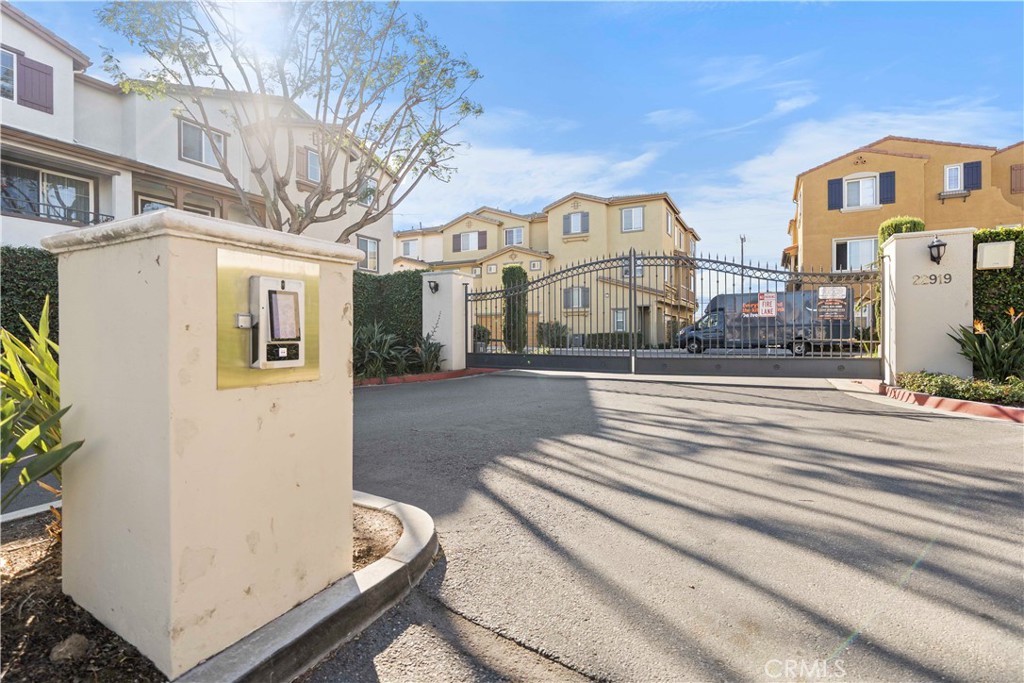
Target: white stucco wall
point(59, 125)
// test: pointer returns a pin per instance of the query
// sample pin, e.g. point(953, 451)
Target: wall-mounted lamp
point(937, 249)
point(432, 284)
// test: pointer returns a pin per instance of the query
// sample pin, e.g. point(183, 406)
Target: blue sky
point(720, 104)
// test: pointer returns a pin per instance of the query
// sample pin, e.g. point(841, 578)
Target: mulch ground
point(35, 615)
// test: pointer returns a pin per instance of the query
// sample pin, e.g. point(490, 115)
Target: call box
point(278, 317)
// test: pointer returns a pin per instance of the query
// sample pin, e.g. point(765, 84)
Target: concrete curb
point(28, 512)
point(427, 377)
point(301, 637)
point(954, 405)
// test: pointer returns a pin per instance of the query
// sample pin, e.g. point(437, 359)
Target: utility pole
point(743, 290)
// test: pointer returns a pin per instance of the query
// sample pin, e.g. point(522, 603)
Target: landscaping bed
point(1010, 393)
point(35, 616)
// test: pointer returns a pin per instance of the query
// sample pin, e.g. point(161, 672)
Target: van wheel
point(800, 348)
point(694, 346)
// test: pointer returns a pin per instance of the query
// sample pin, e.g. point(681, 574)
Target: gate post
point(923, 301)
point(445, 316)
point(631, 316)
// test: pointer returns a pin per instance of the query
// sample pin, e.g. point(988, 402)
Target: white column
point(444, 314)
point(122, 200)
point(923, 301)
point(209, 498)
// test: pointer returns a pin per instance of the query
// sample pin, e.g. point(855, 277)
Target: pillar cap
point(175, 223)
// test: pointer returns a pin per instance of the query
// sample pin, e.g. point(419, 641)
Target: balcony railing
point(50, 212)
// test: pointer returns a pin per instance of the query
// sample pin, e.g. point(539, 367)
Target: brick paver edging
point(953, 405)
point(425, 377)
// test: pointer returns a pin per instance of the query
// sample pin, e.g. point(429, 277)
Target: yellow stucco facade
point(840, 204)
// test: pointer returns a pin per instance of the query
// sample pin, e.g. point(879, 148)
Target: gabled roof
point(617, 199)
point(927, 142)
point(516, 248)
point(859, 150)
point(502, 212)
point(412, 232)
point(1009, 147)
point(474, 216)
point(80, 60)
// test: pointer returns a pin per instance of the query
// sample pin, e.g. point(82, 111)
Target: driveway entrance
point(697, 530)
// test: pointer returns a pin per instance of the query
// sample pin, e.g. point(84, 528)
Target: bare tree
point(380, 94)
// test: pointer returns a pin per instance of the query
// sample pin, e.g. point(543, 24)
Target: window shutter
point(585, 297)
point(456, 243)
point(1017, 179)
point(567, 297)
point(835, 194)
point(566, 224)
point(301, 164)
point(481, 240)
point(887, 187)
point(585, 222)
point(35, 85)
point(972, 175)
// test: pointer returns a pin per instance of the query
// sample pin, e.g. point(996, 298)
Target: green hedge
point(897, 225)
point(27, 275)
point(997, 290)
point(394, 300)
point(1010, 393)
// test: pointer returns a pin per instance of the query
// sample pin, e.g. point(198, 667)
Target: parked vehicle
point(802, 322)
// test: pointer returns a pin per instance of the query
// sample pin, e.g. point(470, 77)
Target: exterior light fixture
point(937, 249)
point(432, 284)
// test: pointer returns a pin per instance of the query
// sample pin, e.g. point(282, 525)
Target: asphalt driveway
point(693, 530)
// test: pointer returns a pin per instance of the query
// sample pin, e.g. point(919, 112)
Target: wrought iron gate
point(680, 314)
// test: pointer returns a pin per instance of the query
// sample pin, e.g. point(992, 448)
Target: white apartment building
point(77, 151)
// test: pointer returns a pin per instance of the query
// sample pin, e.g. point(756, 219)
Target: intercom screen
point(284, 316)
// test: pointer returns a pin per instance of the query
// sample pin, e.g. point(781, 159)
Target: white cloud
point(498, 122)
point(755, 198)
point(720, 73)
point(520, 179)
point(670, 118)
point(782, 107)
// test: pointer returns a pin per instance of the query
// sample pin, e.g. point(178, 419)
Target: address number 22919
point(933, 279)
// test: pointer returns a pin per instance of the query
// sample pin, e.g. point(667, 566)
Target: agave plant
point(427, 353)
point(377, 353)
point(30, 409)
point(997, 353)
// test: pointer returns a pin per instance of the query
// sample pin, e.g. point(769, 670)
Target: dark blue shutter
point(972, 175)
point(887, 187)
point(566, 224)
point(567, 297)
point(835, 194)
point(585, 221)
point(585, 297)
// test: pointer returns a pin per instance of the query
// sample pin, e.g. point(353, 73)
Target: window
point(369, 247)
point(513, 236)
point(491, 269)
point(8, 75)
point(633, 219)
point(411, 248)
point(668, 223)
point(47, 194)
point(638, 270)
point(576, 223)
point(535, 265)
point(858, 254)
point(469, 241)
point(669, 275)
point(576, 297)
point(312, 166)
point(953, 178)
point(860, 192)
point(367, 192)
point(144, 204)
point(476, 271)
point(618, 320)
point(197, 144)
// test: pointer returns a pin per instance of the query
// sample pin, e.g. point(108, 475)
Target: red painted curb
point(426, 377)
point(954, 405)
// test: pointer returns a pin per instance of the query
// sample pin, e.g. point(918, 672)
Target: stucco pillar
point(122, 200)
point(444, 314)
point(209, 497)
point(923, 301)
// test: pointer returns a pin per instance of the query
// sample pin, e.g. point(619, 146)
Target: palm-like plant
point(997, 353)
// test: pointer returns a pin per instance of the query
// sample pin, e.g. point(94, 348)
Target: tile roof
point(928, 142)
point(859, 150)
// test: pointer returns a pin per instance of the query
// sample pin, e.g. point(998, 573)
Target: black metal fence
point(675, 313)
